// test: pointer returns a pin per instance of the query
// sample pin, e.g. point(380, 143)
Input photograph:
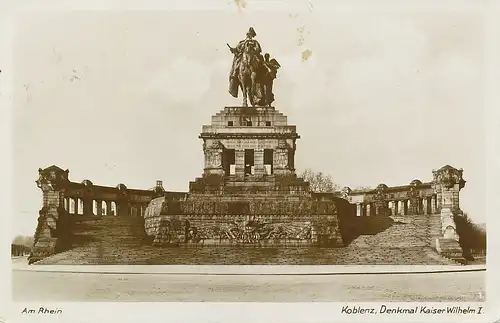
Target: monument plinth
point(248, 147)
point(249, 193)
point(447, 183)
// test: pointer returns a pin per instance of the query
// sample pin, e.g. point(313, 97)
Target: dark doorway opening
point(268, 161)
point(229, 162)
point(249, 161)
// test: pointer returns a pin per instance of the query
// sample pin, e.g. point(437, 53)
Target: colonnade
point(426, 205)
point(79, 206)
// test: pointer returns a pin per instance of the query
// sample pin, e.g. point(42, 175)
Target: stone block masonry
point(249, 195)
point(257, 224)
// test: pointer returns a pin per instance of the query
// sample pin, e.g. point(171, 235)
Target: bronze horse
point(247, 73)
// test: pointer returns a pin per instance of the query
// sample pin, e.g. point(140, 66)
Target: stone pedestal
point(258, 208)
point(413, 198)
point(447, 184)
point(52, 231)
point(380, 206)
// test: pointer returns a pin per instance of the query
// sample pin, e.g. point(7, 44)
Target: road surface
point(29, 285)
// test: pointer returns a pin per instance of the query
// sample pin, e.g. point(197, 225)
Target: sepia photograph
point(250, 154)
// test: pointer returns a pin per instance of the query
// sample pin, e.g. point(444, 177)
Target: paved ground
point(29, 285)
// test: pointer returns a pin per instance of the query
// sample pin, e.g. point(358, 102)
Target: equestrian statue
point(251, 72)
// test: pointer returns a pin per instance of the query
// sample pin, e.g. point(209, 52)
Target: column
point(396, 208)
point(259, 161)
point(99, 207)
point(402, 205)
point(87, 206)
point(123, 208)
point(393, 208)
point(433, 204)
point(412, 208)
point(77, 202)
point(239, 156)
point(425, 205)
point(368, 209)
point(108, 207)
point(358, 209)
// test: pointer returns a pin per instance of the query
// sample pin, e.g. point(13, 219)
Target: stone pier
point(448, 182)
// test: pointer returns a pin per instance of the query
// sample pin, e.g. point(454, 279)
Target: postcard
point(250, 161)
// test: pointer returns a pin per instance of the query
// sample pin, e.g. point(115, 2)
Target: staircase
point(110, 240)
point(408, 239)
point(101, 240)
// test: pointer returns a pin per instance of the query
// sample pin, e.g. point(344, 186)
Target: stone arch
point(416, 182)
point(382, 187)
point(87, 183)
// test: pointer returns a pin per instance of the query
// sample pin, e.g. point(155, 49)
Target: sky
point(120, 97)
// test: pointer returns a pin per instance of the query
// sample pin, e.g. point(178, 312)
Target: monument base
point(262, 223)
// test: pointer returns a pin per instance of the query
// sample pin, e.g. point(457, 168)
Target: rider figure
point(237, 51)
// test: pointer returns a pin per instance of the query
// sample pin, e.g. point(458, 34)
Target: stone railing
point(415, 198)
